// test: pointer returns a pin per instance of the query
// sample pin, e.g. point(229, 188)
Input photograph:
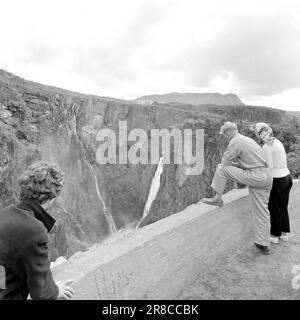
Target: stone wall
point(161, 259)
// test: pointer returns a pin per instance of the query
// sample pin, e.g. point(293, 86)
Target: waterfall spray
point(107, 214)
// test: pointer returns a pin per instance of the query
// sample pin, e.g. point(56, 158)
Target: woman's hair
point(263, 131)
point(41, 181)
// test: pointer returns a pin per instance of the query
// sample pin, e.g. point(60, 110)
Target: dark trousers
point(278, 205)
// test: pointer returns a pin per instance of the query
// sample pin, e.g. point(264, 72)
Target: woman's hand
point(66, 292)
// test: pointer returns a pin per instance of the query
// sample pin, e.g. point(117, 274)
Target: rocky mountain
point(41, 122)
point(193, 98)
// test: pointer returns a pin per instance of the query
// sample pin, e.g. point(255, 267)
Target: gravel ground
point(247, 274)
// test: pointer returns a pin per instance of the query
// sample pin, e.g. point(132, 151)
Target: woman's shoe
point(274, 239)
point(284, 238)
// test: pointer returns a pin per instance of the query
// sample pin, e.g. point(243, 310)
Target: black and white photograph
point(149, 152)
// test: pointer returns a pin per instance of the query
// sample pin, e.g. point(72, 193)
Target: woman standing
point(282, 182)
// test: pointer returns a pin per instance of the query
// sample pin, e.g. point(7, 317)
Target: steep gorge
point(59, 126)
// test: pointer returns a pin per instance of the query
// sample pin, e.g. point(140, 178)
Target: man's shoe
point(274, 239)
point(264, 249)
point(213, 202)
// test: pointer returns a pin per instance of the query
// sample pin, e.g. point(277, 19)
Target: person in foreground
point(244, 162)
point(282, 182)
point(24, 238)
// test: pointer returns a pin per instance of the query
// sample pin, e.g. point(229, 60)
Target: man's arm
point(231, 154)
point(37, 266)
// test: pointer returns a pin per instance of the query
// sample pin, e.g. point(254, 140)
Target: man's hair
point(41, 181)
point(228, 126)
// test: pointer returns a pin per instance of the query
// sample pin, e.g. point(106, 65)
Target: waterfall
point(107, 214)
point(155, 184)
point(73, 121)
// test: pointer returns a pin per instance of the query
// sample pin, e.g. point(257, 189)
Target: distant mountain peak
point(215, 98)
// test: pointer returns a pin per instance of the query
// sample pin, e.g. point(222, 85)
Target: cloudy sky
point(126, 49)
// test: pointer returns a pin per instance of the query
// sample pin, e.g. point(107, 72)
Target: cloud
point(130, 48)
point(100, 46)
point(116, 60)
point(258, 47)
point(287, 100)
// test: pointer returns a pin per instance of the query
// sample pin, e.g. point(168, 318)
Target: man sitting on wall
point(244, 162)
point(24, 239)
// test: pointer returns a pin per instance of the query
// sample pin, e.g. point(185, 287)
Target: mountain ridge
point(214, 98)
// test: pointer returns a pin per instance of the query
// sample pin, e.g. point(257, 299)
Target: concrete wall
point(159, 260)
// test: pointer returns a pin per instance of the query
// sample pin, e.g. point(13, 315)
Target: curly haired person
point(24, 239)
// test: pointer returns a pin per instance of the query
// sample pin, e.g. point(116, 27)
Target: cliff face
point(194, 98)
point(41, 122)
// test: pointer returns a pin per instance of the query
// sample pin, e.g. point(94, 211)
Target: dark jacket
point(24, 252)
